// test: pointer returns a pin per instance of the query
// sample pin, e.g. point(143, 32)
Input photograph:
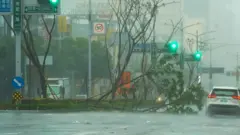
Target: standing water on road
point(34, 123)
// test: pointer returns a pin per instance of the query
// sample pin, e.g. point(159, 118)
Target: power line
point(224, 44)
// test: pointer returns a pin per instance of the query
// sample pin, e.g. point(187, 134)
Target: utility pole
point(90, 49)
point(197, 48)
point(210, 68)
point(17, 24)
point(237, 71)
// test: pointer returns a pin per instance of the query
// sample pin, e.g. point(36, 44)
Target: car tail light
point(212, 96)
point(236, 97)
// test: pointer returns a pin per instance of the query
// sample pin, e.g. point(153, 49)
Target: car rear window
point(225, 92)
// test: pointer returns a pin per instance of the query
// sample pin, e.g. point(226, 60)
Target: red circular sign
point(99, 27)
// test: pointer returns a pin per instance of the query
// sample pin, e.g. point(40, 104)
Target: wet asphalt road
point(115, 123)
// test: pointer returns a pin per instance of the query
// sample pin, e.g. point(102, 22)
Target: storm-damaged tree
point(128, 15)
point(165, 73)
point(168, 79)
point(29, 47)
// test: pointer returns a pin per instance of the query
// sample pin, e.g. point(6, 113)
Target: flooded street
point(115, 123)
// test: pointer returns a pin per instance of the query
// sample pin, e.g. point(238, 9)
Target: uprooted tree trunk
point(28, 46)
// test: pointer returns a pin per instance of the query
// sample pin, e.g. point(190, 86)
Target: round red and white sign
point(99, 27)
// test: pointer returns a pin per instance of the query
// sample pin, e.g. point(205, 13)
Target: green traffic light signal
point(54, 2)
point(173, 46)
point(197, 56)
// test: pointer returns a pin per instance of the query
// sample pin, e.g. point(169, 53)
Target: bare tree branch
point(49, 32)
point(8, 24)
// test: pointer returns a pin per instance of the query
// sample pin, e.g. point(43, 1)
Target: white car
point(223, 100)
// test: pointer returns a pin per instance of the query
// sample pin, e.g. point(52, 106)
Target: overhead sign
point(188, 57)
point(99, 28)
point(214, 70)
point(18, 82)
point(32, 7)
point(101, 8)
point(5, 7)
point(17, 15)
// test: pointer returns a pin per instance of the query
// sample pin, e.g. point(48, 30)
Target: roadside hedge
point(80, 105)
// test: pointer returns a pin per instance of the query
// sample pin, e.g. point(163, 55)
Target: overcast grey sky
point(224, 18)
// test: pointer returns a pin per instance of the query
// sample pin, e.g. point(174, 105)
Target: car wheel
point(209, 114)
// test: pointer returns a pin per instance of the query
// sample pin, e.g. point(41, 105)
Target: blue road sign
point(18, 82)
point(142, 47)
point(5, 6)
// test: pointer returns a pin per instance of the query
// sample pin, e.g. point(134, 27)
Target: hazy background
point(222, 16)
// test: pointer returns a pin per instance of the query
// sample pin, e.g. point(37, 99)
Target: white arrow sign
point(18, 83)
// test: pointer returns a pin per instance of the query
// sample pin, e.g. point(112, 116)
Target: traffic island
point(76, 105)
point(49, 105)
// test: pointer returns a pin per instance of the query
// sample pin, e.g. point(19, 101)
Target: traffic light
point(197, 56)
point(48, 2)
point(173, 46)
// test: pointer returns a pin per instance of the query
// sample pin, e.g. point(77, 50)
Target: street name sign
point(214, 70)
point(5, 7)
point(31, 7)
point(17, 15)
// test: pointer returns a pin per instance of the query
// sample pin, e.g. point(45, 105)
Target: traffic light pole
point(198, 63)
point(237, 71)
point(90, 50)
point(18, 54)
point(197, 48)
